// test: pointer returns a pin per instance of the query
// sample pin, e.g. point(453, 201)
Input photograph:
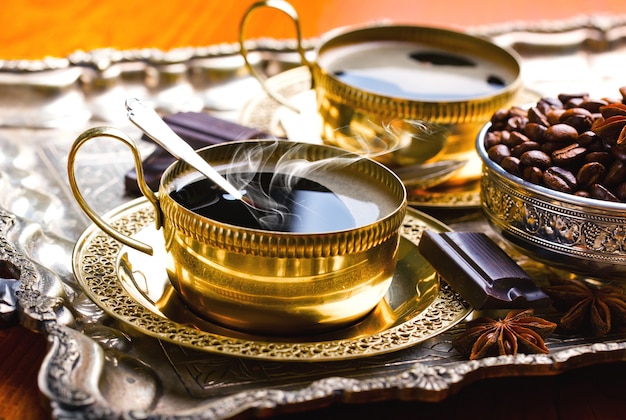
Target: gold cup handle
point(289, 10)
point(143, 186)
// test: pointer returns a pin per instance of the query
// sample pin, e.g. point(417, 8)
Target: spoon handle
point(148, 121)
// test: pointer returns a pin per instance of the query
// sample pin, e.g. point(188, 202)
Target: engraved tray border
point(38, 232)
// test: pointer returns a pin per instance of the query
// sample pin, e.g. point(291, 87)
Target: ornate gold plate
point(133, 288)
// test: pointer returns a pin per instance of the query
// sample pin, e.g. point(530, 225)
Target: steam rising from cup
point(274, 196)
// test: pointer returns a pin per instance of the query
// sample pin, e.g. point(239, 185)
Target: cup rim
point(260, 241)
point(456, 110)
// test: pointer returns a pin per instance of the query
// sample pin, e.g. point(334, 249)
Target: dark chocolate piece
point(199, 130)
point(480, 271)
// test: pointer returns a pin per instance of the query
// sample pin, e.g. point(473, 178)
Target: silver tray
point(98, 367)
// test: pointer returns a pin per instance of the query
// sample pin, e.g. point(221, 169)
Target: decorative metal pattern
point(556, 227)
point(584, 236)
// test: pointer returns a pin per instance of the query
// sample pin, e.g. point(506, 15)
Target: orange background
point(31, 29)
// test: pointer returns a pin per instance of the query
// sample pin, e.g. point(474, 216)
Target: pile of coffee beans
point(571, 143)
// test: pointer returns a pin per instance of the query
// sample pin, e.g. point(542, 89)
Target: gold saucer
point(133, 288)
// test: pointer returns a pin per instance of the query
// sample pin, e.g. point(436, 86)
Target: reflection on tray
point(413, 289)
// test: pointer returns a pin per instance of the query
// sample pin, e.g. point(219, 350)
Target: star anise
point(518, 332)
point(587, 307)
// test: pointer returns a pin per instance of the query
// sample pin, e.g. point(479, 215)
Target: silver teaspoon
point(151, 123)
point(428, 175)
point(147, 120)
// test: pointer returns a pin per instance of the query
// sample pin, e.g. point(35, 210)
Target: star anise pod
point(518, 332)
point(587, 307)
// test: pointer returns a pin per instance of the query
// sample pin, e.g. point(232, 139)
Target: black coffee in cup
point(289, 203)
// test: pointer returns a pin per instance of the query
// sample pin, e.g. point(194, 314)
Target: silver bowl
point(582, 235)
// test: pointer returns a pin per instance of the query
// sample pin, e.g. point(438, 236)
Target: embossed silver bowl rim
point(544, 193)
point(581, 235)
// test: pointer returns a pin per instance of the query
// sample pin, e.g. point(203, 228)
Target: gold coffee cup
point(266, 281)
point(369, 81)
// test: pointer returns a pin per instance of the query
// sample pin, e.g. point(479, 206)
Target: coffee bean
point(616, 173)
point(498, 152)
point(602, 157)
point(582, 193)
point(535, 116)
point(573, 103)
point(514, 139)
point(499, 119)
point(551, 102)
point(533, 174)
point(517, 111)
point(574, 112)
point(596, 146)
point(545, 107)
point(522, 148)
point(587, 138)
point(569, 155)
point(593, 106)
point(536, 158)
point(500, 115)
point(516, 123)
point(566, 97)
point(560, 179)
point(554, 115)
point(580, 121)
point(511, 164)
point(561, 133)
point(535, 131)
point(590, 173)
point(492, 138)
point(601, 193)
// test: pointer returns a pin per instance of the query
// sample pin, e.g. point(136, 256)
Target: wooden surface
point(21, 354)
point(32, 29)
